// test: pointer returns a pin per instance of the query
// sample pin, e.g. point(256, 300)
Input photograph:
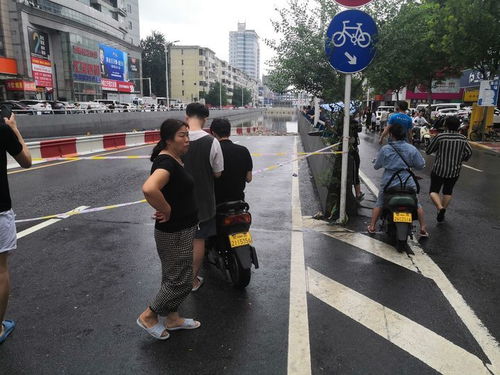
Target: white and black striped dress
point(451, 149)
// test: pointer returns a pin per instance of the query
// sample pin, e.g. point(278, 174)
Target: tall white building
point(244, 51)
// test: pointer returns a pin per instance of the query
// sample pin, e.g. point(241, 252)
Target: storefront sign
point(19, 85)
point(113, 63)
point(119, 86)
point(39, 43)
point(42, 72)
point(8, 66)
point(471, 95)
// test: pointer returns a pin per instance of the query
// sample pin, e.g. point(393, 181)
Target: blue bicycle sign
point(354, 33)
point(349, 43)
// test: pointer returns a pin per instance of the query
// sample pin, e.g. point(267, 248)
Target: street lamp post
point(167, 48)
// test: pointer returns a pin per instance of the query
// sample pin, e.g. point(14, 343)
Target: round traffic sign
point(352, 3)
point(350, 41)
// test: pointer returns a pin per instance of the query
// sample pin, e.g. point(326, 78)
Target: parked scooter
point(231, 250)
point(400, 210)
point(421, 135)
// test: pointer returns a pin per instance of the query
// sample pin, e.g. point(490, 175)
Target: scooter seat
point(232, 206)
point(402, 201)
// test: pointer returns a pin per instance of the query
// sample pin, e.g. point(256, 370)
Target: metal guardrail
point(30, 111)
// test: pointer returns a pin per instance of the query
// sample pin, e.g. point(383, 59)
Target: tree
point(301, 63)
point(471, 30)
point(407, 54)
point(247, 96)
point(215, 93)
point(153, 62)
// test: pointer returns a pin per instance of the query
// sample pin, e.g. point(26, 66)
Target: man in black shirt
point(12, 142)
point(237, 165)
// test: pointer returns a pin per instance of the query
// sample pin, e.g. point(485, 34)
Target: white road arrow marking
point(352, 59)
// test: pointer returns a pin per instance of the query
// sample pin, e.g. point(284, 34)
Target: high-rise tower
point(244, 52)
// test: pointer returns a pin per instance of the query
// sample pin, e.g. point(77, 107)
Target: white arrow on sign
point(352, 59)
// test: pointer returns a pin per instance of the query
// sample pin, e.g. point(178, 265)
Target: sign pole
point(345, 148)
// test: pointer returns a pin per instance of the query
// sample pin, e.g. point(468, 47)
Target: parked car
point(383, 108)
point(60, 107)
point(90, 107)
point(111, 105)
point(38, 106)
point(447, 112)
point(129, 107)
point(496, 116)
point(18, 108)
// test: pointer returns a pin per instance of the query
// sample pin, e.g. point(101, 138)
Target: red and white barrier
point(77, 146)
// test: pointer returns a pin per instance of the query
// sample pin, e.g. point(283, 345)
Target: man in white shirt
point(204, 161)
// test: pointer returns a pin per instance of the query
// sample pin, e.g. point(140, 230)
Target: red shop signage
point(112, 85)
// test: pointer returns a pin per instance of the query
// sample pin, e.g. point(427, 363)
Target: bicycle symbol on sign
point(357, 36)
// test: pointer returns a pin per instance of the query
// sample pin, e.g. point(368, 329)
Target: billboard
point(42, 72)
point(39, 43)
point(85, 64)
point(113, 63)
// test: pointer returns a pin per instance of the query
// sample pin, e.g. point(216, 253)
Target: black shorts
point(446, 183)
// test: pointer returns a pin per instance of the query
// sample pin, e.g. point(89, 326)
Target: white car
point(447, 112)
point(90, 107)
point(496, 116)
point(38, 106)
point(129, 107)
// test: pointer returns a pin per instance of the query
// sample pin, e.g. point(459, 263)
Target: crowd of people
point(191, 172)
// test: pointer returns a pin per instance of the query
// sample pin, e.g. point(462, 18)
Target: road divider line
point(78, 211)
point(429, 347)
point(428, 268)
point(299, 351)
point(45, 224)
point(474, 169)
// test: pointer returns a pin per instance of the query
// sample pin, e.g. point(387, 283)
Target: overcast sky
point(208, 23)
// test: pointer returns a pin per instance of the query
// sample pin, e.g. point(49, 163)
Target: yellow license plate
point(240, 239)
point(402, 217)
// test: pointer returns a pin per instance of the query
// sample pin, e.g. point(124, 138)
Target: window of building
point(182, 51)
point(182, 62)
point(130, 25)
point(182, 72)
point(182, 82)
point(182, 92)
point(129, 9)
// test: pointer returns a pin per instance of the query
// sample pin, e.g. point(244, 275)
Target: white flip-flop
point(155, 331)
point(188, 324)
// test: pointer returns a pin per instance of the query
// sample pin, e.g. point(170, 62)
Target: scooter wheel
point(240, 277)
point(401, 246)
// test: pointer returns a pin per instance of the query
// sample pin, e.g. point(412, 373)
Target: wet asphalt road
point(79, 284)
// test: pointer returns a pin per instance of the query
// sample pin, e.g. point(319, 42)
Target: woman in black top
point(169, 189)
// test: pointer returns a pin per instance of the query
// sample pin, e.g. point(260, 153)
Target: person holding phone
point(11, 141)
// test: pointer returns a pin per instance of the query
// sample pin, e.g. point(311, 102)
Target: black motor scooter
point(400, 210)
point(231, 250)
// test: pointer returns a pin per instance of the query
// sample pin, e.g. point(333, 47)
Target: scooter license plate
point(402, 217)
point(240, 239)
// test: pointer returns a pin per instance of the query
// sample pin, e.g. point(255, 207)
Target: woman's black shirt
point(179, 193)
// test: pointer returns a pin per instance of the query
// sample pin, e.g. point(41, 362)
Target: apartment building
point(244, 51)
point(193, 69)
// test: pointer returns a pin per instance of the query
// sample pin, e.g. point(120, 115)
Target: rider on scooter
point(237, 165)
point(390, 157)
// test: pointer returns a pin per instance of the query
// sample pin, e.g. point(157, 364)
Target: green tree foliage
point(472, 34)
point(408, 53)
point(247, 96)
point(214, 94)
point(300, 63)
point(153, 61)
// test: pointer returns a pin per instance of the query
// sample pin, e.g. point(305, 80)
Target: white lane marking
point(299, 355)
point(428, 268)
point(422, 343)
point(45, 224)
point(375, 247)
point(474, 169)
point(369, 184)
